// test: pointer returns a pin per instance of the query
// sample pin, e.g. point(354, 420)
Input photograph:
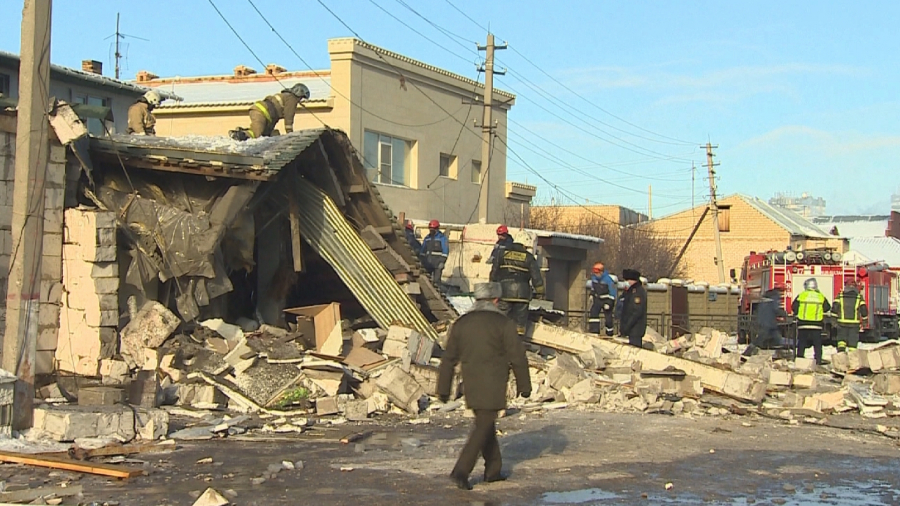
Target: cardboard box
point(318, 324)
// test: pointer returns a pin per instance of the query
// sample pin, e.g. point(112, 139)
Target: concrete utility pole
point(32, 156)
point(487, 126)
point(715, 210)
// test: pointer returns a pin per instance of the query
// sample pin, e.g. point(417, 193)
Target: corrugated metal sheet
point(789, 220)
point(874, 249)
point(855, 226)
point(225, 92)
point(323, 226)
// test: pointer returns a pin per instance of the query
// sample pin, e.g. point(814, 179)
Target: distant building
point(805, 205)
point(895, 201)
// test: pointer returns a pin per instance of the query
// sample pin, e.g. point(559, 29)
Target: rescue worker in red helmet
point(504, 240)
point(603, 299)
point(411, 238)
point(849, 309)
point(517, 271)
point(434, 252)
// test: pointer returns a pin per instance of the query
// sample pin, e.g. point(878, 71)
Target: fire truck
point(790, 269)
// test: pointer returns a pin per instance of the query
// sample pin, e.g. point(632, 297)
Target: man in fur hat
point(634, 308)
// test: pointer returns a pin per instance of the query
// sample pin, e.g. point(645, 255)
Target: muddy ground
point(558, 457)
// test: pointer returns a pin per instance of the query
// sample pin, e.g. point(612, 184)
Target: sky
point(612, 97)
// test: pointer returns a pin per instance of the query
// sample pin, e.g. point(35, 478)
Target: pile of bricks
point(90, 303)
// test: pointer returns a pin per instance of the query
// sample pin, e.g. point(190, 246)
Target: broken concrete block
point(426, 376)
point(689, 386)
point(144, 390)
point(100, 396)
point(840, 362)
point(829, 400)
point(890, 357)
point(395, 349)
point(326, 406)
point(780, 378)
point(420, 348)
point(356, 410)
point(713, 347)
point(151, 358)
point(401, 388)
point(67, 423)
point(888, 384)
point(793, 400)
point(856, 360)
point(398, 333)
point(873, 360)
point(150, 328)
point(593, 359)
point(583, 392)
point(807, 381)
point(731, 361)
point(113, 372)
point(804, 364)
point(152, 424)
point(211, 498)
point(377, 403)
point(565, 373)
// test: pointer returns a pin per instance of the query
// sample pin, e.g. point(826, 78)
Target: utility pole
point(32, 156)
point(118, 54)
point(649, 201)
point(487, 126)
point(715, 210)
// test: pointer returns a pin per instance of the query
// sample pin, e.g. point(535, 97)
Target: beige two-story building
point(413, 123)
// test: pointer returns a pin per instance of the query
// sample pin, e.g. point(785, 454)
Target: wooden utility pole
point(649, 201)
point(487, 126)
point(118, 54)
point(32, 156)
point(714, 205)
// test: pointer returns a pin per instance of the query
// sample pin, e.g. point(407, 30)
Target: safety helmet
point(152, 98)
point(810, 284)
point(502, 230)
point(778, 286)
point(300, 91)
point(850, 283)
point(598, 268)
point(409, 225)
point(434, 224)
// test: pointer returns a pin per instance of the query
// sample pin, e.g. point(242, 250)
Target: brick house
point(746, 224)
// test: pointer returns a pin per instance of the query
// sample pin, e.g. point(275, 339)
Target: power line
point(373, 2)
point(467, 16)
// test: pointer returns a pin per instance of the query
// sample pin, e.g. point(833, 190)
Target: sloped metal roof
point(855, 226)
point(233, 92)
point(885, 249)
point(792, 222)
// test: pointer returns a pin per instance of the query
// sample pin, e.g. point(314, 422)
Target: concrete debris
point(67, 423)
point(150, 328)
point(401, 388)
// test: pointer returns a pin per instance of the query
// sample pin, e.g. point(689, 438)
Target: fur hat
point(631, 275)
point(487, 291)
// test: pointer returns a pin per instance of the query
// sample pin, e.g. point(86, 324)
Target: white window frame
point(378, 166)
point(474, 179)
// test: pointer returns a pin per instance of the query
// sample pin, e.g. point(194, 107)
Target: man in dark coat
point(767, 313)
point(517, 271)
point(634, 309)
point(487, 345)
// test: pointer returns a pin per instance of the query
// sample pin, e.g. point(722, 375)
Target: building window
point(476, 171)
point(4, 84)
point(448, 166)
point(724, 218)
point(386, 158)
point(95, 126)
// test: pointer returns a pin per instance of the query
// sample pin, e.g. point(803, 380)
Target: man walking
point(603, 299)
point(634, 309)
point(486, 344)
point(517, 271)
point(849, 308)
point(434, 252)
point(768, 311)
point(810, 307)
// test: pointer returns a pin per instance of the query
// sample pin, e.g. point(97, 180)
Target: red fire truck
point(790, 269)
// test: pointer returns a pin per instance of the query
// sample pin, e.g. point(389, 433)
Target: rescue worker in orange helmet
point(504, 240)
point(603, 299)
point(434, 252)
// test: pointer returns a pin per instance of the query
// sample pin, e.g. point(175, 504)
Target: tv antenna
point(119, 37)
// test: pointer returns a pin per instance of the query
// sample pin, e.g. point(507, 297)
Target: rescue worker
point(503, 242)
point(266, 113)
point(517, 271)
point(849, 308)
point(767, 312)
point(140, 115)
point(634, 309)
point(411, 238)
point(434, 252)
point(485, 343)
point(810, 307)
point(603, 299)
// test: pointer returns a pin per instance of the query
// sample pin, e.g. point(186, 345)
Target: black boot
point(462, 482)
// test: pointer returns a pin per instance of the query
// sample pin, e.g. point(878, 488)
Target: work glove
point(444, 398)
point(526, 395)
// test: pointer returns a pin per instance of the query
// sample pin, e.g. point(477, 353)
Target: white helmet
point(810, 284)
point(152, 98)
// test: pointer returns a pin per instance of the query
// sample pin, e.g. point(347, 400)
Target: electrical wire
point(461, 57)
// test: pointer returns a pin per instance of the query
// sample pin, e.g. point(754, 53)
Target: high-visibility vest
point(810, 309)
point(847, 315)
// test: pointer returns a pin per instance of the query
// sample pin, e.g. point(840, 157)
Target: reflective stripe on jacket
point(811, 307)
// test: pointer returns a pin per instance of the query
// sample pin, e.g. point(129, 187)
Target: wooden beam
point(385, 230)
point(199, 171)
point(296, 246)
point(70, 465)
point(357, 188)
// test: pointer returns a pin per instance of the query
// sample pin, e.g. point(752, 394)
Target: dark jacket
point(499, 248)
point(844, 307)
point(634, 311)
point(281, 106)
point(517, 271)
point(413, 241)
point(769, 309)
point(487, 345)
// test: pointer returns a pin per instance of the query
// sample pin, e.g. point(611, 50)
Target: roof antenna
point(119, 36)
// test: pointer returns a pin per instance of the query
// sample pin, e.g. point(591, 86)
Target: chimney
point(145, 76)
point(243, 71)
point(92, 67)
point(274, 69)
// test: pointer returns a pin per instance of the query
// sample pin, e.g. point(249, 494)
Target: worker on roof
point(603, 299)
point(518, 272)
point(411, 238)
point(266, 113)
point(140, 115)
point(633, 322)
point(503, 241)
point(434, 252)
point(768, 312)
point(810, 308)
point(849, 308)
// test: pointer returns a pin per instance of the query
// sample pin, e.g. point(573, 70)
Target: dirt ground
point(558, 457)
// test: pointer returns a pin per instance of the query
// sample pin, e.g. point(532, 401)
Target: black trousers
point(517, 312)
point(807, 338)
point(848, 336)
point(636, 338)
point(598, 306)
point(483, 441)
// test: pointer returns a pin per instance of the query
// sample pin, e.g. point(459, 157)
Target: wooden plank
point(70, 465)
point(115, 450)
point(250, 174)
point(357, 188)
point(296, 246)
point(357, 436)
point(385, 230)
